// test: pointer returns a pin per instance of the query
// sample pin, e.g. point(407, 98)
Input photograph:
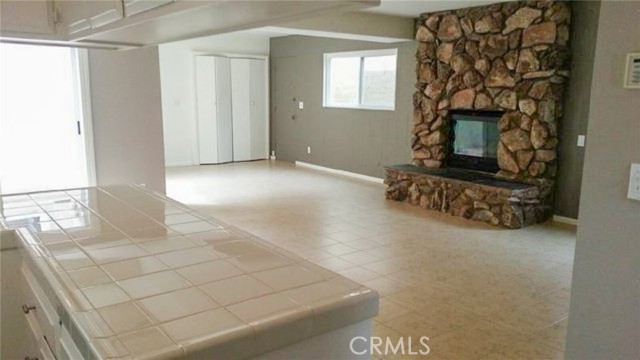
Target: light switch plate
point(300, 105)
point(581, 140)
point(634, 182)
point(632, 71)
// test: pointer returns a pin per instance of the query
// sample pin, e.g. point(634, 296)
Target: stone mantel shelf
point(469, 178)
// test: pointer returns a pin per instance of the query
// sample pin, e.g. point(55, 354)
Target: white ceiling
point(413, 8)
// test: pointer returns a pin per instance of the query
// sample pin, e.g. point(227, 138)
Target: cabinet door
point(206, 108)
point(258, 108)
point(241, 100)
point(34, 17)
point(78, 16)
point(224, 117)
point(132, 7)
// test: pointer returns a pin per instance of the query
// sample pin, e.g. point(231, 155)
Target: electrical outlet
point(581, 140)
point(300, 105)
point(634, 182)
point(309, 150)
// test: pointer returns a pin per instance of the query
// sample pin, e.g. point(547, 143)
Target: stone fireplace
point(510, 58)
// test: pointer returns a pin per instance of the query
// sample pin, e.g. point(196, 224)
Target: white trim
point(362, 54)
point(87, 117)
point(565, 220)
point(340, 172)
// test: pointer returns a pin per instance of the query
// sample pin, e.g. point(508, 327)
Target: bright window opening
point(361, 79)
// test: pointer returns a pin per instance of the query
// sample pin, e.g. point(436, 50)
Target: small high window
point(361, 79)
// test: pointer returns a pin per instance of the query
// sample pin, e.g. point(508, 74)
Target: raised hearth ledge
point(497, 202)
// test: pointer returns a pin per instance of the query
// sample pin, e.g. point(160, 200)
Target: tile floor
point(476, 291)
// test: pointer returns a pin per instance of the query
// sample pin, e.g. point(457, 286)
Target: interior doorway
point(45, 139)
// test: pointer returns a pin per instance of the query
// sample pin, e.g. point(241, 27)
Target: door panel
point(206, 109)
point(258, 110)
point(240, 99)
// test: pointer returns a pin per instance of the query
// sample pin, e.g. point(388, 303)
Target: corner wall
point(360, 141)
point(127, 117)
point(604, 318)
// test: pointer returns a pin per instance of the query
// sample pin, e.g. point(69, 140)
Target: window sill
point(359, 107)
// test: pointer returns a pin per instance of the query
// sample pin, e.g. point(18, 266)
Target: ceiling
point(413, 8)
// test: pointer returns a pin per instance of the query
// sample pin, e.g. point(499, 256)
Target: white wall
point(127, 117)
point(177, 75)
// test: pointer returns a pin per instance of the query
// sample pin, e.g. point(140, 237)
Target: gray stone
point(511, 59)
point(544, 33)
point(505, 159)
point(471, 47)
point(558, 12)
point(421, 154)
point(521, 19)
point(449, 28)
point(516, 139)
point(432, 163)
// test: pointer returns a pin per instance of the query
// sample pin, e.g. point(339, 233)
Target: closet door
point(224, 115)
point(258, 109)
point(206, 109)
point(213, 107)
point(241, 99)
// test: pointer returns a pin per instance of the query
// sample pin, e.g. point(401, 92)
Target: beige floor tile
point(446, 276)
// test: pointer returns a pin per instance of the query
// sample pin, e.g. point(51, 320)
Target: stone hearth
point(511, 57)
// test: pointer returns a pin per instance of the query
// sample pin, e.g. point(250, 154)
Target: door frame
point(86, 117)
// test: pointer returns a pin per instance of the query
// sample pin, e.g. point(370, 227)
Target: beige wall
point(584, 30)
point(604, 320)
point(127, 117)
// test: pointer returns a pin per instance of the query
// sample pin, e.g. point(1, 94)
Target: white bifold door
point(231, 106)
point(213, 96)
point(248, 88)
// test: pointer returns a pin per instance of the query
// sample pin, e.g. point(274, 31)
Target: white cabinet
point(31, 17)
point(231, 109)
point(132, 7)
point(248, 89)
point(213, 97)
point(77, 16)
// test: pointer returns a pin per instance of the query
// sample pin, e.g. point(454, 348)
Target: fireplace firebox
point(473, 140)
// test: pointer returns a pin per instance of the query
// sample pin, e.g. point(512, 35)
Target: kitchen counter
point(133, 274)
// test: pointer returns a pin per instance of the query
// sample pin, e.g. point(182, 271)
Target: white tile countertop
point(138, 275)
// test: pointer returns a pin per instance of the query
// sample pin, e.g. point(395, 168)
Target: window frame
point(362, 54)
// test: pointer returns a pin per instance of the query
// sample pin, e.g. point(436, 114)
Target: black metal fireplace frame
point(484, 164)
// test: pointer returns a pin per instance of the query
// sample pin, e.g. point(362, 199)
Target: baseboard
point(340, 172)
point(565, 220)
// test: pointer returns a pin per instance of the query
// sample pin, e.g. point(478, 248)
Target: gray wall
point(604, 319)
point(360, 141)
point(584, 27)
point(127, 117)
